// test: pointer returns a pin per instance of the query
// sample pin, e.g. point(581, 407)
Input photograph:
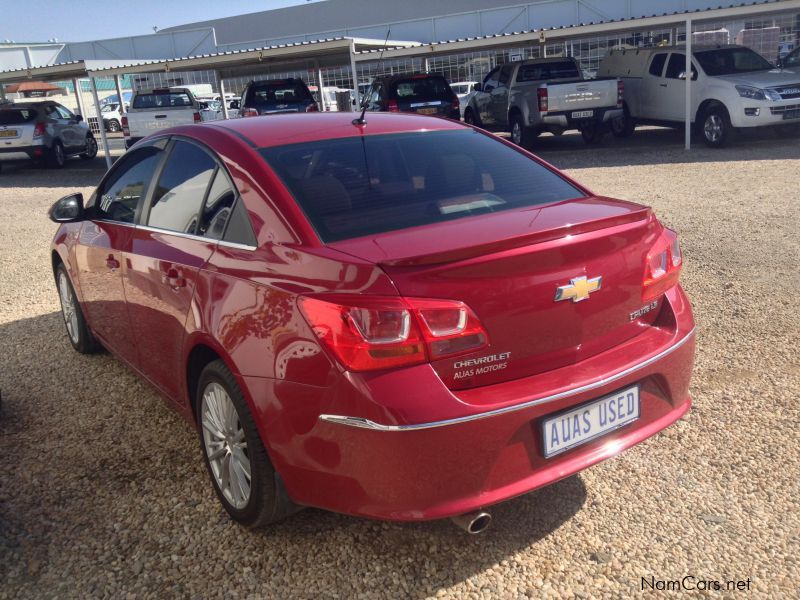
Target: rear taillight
point(312, 107)
point(455, 104)
point(39, 130)
point(197, 117)
point(541, 93)
point(249, 112)
point(391, 106)
point(126, 130)
point(620, 93)
point(663, 265)
point(367, 333)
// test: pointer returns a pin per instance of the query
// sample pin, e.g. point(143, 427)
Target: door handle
point(112, 263)
point(663, 84)
point(174, 279)
point(161, 116)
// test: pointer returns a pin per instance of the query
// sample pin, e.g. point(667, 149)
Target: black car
point(421, 93)
point(275, 96)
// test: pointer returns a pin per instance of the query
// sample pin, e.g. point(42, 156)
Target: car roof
point(280, 130)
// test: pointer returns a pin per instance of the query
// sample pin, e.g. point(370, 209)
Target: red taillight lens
point(197, 117)
point(541, 93)
point(370, 333)
point(39, 130)
point(663, 265)
point(249, 112)
point(620, 93)
point(126, 130)
point(312, 107)
point(392, 106)
point(455, 104)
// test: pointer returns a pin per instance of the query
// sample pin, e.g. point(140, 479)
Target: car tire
point(114, 126)
point(624, 126)
point(715, 126)
point(78, 332)
point(592, 133)
point(231, 446)
point(470, 118)
point(520, 135)
point(56, 159)
point(91, 148)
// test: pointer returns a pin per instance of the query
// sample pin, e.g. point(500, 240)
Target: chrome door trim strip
point(362, 423)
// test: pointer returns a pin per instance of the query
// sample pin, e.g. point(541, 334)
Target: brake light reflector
point(367, 333)
point(249, 112)
point(197, 117)
point(662, 266)
point(541, 93)
point(39, 130)
point(620, 92)
point(392, 106)
point(126, 130)
point(455, 104)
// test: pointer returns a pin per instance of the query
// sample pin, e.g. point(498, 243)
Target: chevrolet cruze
point(404, 318)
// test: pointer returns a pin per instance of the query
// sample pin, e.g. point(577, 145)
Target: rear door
point(168, 248)
point(653, 86)
point(102, 251)
point(673, 93)
point(499, 95)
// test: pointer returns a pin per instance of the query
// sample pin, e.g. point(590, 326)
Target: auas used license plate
point(587, 422)
point(427, 111)
point(583, 114)
point(8, 133)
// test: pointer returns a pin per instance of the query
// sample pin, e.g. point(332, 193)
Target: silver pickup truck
point(544, 94)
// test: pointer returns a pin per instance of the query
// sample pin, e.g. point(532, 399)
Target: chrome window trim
point(237, 245)
point(363, 423)
point(189, 236)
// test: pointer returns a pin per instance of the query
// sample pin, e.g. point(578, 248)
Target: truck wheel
point(592, 133)
point(91, 148)
point(623, 126)
point(114, 126)
point(470, 118)
point(716, 126)
point(520, 135)
point(56, 157)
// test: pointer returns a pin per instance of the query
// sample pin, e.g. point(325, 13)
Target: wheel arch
point(200, 351)
point(705, 105)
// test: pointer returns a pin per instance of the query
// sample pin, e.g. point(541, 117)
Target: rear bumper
point(373, 452)
point(32, 150)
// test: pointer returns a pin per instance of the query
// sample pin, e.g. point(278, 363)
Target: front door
point(500, 97)
point(168, 250)
point(483, 99)
point(673, 94)
point(104, 244)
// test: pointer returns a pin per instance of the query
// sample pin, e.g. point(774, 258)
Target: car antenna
point(361, 120)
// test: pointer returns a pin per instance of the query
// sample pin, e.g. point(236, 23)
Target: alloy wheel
point(712, 128)
point(68, 309)
point(516, 133)
point(58, 154)
point(225, 445)
point(91, 147)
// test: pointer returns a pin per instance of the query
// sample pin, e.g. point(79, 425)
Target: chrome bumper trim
point(362, 423)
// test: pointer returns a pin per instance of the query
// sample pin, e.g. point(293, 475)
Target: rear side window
point(17, 116)
point(551, 70)
point(162, 100)
point(420, 89)
point(119, 196)
point(280, 93)
point(366, 185)
point(657, 66)
point(181, 189)
point(217, 207)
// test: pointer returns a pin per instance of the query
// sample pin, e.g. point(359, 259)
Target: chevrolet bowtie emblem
point(578, 289)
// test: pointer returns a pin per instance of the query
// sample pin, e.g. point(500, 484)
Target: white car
point(462, 89)
point(153, 110)
point(112, 117)
point(732, 87)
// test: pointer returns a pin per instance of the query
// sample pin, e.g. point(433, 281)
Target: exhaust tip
point(474, 522)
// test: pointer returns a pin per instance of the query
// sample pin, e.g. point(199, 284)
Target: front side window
point(490, 81)
point(359, 186)
point(119, 196)
point(181, 188)
point(64, 112)
point(505, 75)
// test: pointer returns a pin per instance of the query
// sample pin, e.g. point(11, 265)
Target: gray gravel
point(103, 494)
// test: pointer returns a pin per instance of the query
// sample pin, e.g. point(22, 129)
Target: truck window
point(491, 80)
point(657, 66)
point(505, 75)
point(565, 69)
point(677, 65)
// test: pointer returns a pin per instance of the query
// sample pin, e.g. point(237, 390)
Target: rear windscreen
point(420, 89)
point(283, 93)
point(17, 116)
point(553, 70)
point(162, 100)
point(358, 186)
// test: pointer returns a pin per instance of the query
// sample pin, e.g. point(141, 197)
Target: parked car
point(46, 131)
point(376, 324)
point(274, 96)
point(732, 87)
point(791, 60)
point(462, 89)
point(112, 118)
point(530, 97)
point(210, 110)
point(152, 110)
point(421, 93)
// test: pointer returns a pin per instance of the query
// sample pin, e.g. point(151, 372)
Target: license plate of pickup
point(583, 114)
point(590, 421)
point(7, 133)
point(427, 111)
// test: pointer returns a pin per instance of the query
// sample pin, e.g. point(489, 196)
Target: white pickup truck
point(156, 109)
point(732, 87)
point(544, 94)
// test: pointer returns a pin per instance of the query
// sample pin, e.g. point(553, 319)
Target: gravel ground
point(103, 493)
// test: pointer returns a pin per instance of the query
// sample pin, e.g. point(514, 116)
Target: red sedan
point(405, 319)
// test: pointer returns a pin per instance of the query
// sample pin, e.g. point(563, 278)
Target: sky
point(84, 20)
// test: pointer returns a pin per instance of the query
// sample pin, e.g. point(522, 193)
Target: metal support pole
point(2, 92)
point(323, 106)
point(120, 95)
point(76, 83)
point(222, 97)
point(354, 73)
point(688, 115)
point(100, 123)
point(427, 65)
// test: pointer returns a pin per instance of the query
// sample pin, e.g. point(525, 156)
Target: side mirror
point(682, 75)
point(779, 63)
point(68, 209)
point(78, 118)
point(478, 87)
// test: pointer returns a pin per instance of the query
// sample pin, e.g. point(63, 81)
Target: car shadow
point(123, 479)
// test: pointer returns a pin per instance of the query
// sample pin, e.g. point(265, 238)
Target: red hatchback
point(408, 319)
